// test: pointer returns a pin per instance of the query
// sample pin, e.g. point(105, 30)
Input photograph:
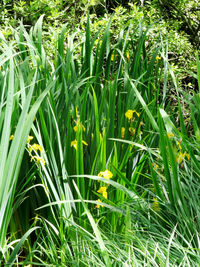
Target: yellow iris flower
point(74, 143)
point(35, 147)
point(102, 190)
point(106, 174)
point(129, 114)
point(182, 156)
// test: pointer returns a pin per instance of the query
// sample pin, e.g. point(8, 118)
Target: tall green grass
point(18, 109)
point(75, 107)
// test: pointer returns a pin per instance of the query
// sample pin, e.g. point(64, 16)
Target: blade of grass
point(13, 255)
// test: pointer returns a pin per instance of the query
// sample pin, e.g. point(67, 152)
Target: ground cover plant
point(99, 162)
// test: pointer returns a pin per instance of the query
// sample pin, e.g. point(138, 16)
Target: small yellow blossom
point(102, 190)
point(98, 205)
point(170, 135)
point(11, 137)
point(74, 143)
point(187, 155)
point(158, 58)
point(35, 147)
point(180, 158)
point(122, 132)
point(131, 131)
point(179, 144)
point(127, 55)
point(38, 159)
point(112, 57)
point(106, 174)
point(29, 138)
point(129, 113)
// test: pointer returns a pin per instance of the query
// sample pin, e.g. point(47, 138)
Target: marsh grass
point(147, 212)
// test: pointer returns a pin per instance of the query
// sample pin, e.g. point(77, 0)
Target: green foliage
point(110, 171)
point(182, 40)
point(17, 113)
point(184, 14)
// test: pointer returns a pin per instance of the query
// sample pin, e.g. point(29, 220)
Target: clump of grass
point(117, 177)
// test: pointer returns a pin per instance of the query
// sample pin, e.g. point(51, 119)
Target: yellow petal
point(106, 174)
point(129, 114)
point(11, 137)
point(84, 143)
point(36, 147)
point(180, 158)
point(74, 144)
point(29, 139)
point(102, 189)
point(138, 114)
point(127, 55)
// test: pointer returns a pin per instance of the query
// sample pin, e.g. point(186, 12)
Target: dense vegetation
point(99, 134)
